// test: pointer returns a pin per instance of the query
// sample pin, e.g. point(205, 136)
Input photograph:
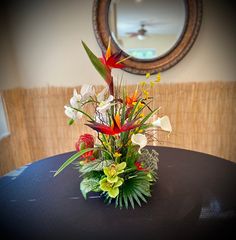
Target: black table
point(194, 198)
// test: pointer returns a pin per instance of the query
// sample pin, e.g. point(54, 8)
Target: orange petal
point(108, 52)
point(117, 119)
point(135, 95)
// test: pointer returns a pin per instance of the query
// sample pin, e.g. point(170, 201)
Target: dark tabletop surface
point(195, 198)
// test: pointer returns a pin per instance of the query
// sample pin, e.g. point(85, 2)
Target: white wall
point(45, 46)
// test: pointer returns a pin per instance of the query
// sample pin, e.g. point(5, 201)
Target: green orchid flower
point(111, 188)
point(113, 171)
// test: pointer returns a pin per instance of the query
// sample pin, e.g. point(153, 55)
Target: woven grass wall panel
point(202, 116)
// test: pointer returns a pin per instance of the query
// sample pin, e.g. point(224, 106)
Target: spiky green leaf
point(134, 190)
point(72, 159)
point(149, 115)
point(95, 61)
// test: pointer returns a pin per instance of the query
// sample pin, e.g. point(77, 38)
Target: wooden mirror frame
point(162, 63)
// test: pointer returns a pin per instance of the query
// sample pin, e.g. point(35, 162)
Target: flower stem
point(84, 113)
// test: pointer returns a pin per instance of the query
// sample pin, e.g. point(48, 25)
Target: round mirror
point(146, 29)
point(157, 34)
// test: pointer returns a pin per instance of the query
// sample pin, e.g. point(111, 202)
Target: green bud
point(70, 121)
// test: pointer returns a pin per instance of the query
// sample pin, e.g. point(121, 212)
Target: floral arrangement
point(115, 164)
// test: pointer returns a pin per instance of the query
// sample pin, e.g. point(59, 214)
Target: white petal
point(102, 108)
point(163, 123)
point(101, 95)
point(157, 123)
point(87, 91)
point(110, 99)
point(84, 89)
point(70, 112)
point(139, 139)
point(74, 102)
point(76, 95)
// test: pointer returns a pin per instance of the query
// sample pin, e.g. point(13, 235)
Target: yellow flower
point(152, 83)
point(116, 154)
point(141, 115)
point(142, 84)
point(146, 93)
point(141, 131)
point(140, 105)
point(148, 75)
point(158, 77)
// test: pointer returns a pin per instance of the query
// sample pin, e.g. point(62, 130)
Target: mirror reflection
point(146, 29)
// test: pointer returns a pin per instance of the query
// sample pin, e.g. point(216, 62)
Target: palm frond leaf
point(133, 191)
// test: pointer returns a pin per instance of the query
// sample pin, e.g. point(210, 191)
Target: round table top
point(194, 197)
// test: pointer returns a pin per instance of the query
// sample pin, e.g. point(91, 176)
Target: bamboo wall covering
point(202, 115)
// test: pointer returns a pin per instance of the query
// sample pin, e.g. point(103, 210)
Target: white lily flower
point(86, 92)
point(105, 105)
point(101, 118)
point(163, 123)
point(101, 95)
point(72, 113)
point(139, 139)
point(75, 100)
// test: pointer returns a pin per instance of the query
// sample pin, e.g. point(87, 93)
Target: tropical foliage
point(115, 164)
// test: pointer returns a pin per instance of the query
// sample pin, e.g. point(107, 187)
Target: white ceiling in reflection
point(158, 16)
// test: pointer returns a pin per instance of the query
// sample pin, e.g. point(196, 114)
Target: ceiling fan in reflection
point(141, 33)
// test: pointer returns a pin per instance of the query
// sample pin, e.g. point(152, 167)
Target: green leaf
point(95, 165)
point(130, 197)
point(88, 185)
point(149, 115)
point(95, 61)
point(150, 160)
point(120, 201)
point(134, 195)
point(131, 156)
point(79, 110)
point(133, 190)
point(117, 201)
point(72, 159)
point(144, 191)
point(134, 108)
point(140, 195)
point(125, 200)
point(142, 108)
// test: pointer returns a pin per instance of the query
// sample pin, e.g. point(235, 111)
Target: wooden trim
point(168, 60)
